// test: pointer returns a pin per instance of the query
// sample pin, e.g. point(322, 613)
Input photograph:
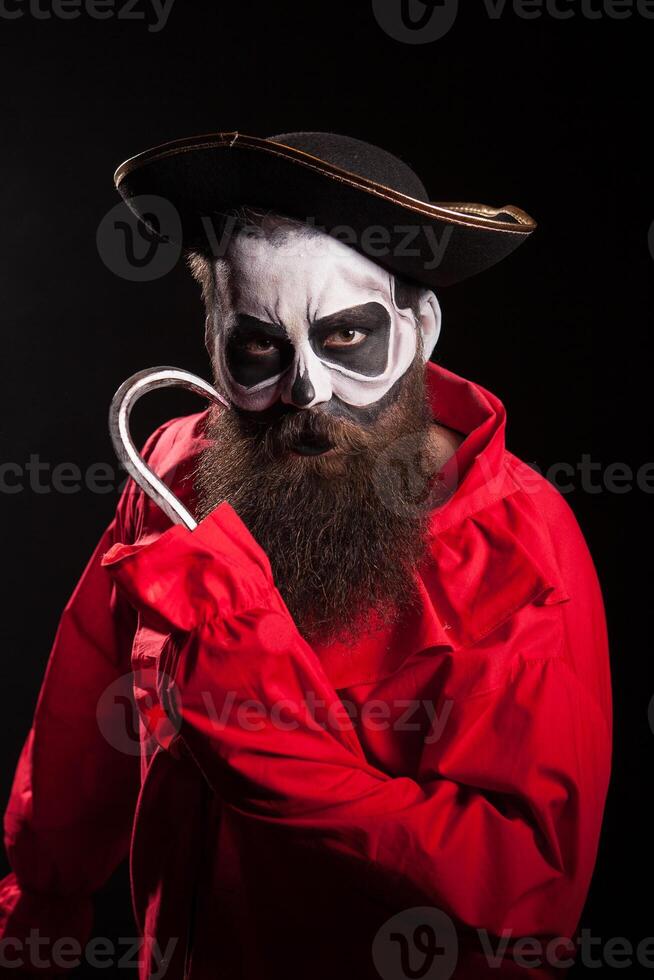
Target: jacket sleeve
point(500, 827)
point(67, 823)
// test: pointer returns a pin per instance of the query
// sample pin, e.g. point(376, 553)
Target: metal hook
point(128, 455)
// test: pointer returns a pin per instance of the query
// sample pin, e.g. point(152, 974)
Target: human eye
point(345, 337)
point(257, 346)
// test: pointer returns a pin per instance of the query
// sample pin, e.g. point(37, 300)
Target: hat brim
point(206, 177)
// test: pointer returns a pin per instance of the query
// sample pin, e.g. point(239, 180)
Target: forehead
point(300, 272)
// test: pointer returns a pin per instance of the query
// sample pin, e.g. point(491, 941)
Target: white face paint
point(312, 319)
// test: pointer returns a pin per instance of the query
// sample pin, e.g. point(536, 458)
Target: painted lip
point(311, 447)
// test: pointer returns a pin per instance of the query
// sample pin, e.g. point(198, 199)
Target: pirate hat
point(362, 194)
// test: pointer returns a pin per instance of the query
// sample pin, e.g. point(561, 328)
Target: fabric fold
point(186, 577)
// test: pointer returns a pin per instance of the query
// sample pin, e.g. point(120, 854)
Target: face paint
point(311, 319)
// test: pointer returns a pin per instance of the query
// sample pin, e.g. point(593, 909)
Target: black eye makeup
point(356, 338)
point(256, 350)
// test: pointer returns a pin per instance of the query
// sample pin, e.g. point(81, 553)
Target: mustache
point(309, 425)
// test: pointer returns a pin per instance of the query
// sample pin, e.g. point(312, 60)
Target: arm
point(68, 820)
point(500, 828)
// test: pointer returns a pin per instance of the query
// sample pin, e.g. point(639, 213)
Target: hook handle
point(128, 455)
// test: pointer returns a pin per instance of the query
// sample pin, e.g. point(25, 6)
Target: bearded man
point(372, 684)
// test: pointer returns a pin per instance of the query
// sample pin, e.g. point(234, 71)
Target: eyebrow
point(370, 315)
point(245, 323)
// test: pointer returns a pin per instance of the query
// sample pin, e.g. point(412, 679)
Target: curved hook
point(119, 414)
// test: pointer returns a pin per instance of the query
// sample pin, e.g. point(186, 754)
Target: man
point(373, 683)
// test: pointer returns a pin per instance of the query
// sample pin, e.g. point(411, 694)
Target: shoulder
point(552, 515)
point(521, 549)
point(517, 585)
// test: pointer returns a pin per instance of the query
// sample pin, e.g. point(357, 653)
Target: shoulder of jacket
point(496, 560)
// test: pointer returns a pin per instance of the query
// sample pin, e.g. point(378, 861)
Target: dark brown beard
point(343, 533)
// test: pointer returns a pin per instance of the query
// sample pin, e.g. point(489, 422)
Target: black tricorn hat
point(357, 192)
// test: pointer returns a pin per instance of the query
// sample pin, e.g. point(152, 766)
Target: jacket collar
point(475, 476)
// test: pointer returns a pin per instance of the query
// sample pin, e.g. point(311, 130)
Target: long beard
point(344, 533)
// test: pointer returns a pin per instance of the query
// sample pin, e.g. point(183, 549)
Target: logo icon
point(136, 249)
point(139, 706)
point(416, 21)
point(416, 944)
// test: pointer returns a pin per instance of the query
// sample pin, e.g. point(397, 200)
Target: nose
point(308, 383)
point(302, 392)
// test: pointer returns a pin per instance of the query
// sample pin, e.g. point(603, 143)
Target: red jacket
point(288, 806)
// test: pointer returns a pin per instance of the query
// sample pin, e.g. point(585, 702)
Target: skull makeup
point(311, 319)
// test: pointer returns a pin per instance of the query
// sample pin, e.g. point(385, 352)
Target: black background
point(551, 115)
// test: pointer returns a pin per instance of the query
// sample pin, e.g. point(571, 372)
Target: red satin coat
point(289, 800)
